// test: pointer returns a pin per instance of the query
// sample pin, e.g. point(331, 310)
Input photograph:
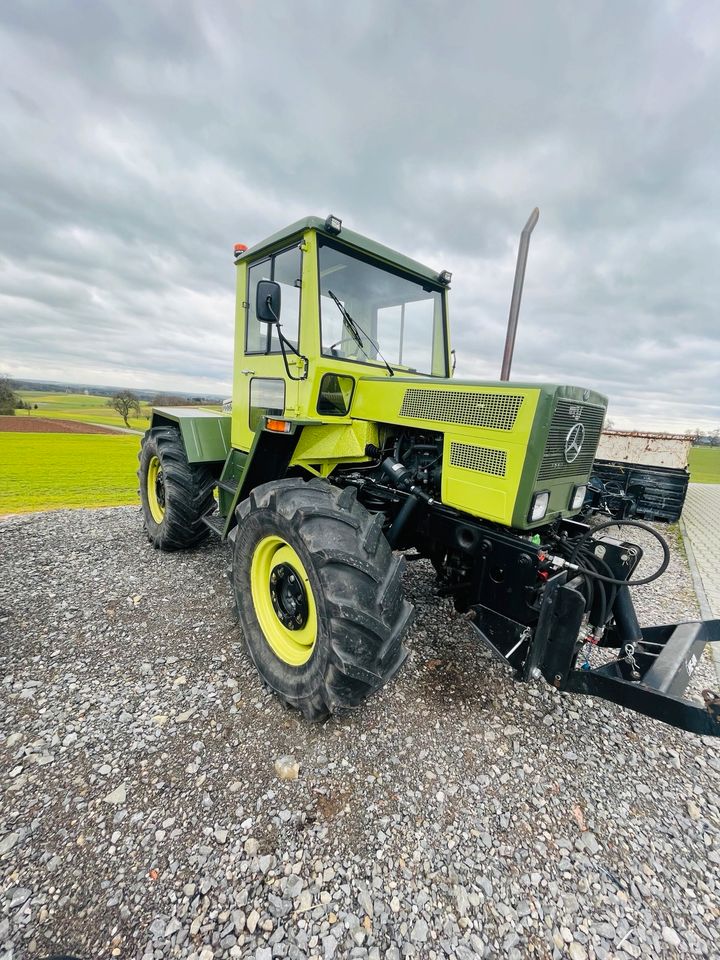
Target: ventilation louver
point(496, 411)
point(480, 459)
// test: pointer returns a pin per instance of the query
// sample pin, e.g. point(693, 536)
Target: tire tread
point(367, 616)
point(190, 492)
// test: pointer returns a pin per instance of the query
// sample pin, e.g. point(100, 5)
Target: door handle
point(247, 372)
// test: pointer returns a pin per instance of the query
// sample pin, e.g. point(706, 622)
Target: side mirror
point(267, 301)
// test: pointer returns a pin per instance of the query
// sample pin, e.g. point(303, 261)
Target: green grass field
point(78, 406)
point(705, 464)
point(46, 471)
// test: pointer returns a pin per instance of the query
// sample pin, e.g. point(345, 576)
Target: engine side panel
point(486, 432)
point(499, 439)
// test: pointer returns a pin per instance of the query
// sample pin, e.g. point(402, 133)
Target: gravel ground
point(458, 814)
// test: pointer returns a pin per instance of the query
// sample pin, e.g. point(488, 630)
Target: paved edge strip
point(705, 611)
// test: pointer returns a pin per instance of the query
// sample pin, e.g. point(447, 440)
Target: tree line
point(9, 400)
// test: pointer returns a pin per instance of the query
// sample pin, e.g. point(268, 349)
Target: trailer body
point(642, 475)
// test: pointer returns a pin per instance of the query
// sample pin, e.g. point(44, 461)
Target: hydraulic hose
point(401, 520)
point(612, 588)
point(609, 595)
point(597, 587)
point(613, 580)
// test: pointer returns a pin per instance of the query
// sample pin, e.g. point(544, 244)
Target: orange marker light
point(240, 248)
point(279, 426)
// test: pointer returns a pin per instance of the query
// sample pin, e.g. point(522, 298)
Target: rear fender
point(205, 433)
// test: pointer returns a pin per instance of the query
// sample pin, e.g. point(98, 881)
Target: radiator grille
point(567, 414)
point(481, 459)
point(493, 411)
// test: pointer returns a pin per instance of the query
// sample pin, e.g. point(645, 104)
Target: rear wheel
point(318, 594)
point(174, 494)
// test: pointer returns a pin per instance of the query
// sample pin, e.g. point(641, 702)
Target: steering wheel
point(338, 343)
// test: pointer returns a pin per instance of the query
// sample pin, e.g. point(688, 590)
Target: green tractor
point(350, 443)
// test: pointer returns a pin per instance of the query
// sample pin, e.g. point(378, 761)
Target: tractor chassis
point(536, 620)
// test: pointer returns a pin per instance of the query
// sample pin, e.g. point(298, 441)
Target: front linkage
point(653, 666)
point(542, 602)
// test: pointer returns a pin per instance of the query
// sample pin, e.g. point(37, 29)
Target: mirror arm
point(284, 342)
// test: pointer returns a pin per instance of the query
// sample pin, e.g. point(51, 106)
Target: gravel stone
point(287, 768)
point(419, 931)
point(457, 814)
point(293, 886)
point(8, 842)
point(116, 796)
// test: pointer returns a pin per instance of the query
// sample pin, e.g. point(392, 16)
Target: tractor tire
point(318, 593)
point(174, 494)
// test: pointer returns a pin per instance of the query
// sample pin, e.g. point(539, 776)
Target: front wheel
point(318, 594)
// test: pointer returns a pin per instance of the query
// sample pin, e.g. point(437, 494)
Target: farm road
point(701, 525)
point(457, 815)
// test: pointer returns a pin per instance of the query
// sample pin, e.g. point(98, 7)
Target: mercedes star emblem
point(574, 442)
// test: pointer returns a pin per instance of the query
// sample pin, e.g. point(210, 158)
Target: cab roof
point(346, 237)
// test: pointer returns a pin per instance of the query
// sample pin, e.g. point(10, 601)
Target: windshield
point(369, 313)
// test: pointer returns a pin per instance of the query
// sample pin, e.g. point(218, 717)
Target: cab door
point(265, 388)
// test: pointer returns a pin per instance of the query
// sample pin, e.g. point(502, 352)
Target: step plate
point(215, 522)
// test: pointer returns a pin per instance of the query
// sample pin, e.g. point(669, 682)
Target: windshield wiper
point(349, 322)
point(356, 330)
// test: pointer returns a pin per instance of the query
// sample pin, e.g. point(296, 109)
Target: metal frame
point(535, 625)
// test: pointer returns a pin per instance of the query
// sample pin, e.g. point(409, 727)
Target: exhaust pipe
point(517, 293)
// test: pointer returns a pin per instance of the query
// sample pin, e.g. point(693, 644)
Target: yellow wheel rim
point(156, 490)
point(283, 601)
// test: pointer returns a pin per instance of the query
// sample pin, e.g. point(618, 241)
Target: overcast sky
point(140, 141)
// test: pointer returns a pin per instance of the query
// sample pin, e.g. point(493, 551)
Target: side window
point(286, 269)
point(256, 332)
point(335, 395)
point(267, 398)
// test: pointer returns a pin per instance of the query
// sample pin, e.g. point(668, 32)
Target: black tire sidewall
point(295, 683)
point(149, 450)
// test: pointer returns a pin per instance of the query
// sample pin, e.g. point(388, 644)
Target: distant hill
point(95, 390)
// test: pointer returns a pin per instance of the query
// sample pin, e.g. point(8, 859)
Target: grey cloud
point(142, 141)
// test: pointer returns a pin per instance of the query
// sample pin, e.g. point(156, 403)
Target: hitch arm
point(653, 703)
point(666, 658)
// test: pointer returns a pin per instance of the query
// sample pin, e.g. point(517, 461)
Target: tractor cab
point(353, 306)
